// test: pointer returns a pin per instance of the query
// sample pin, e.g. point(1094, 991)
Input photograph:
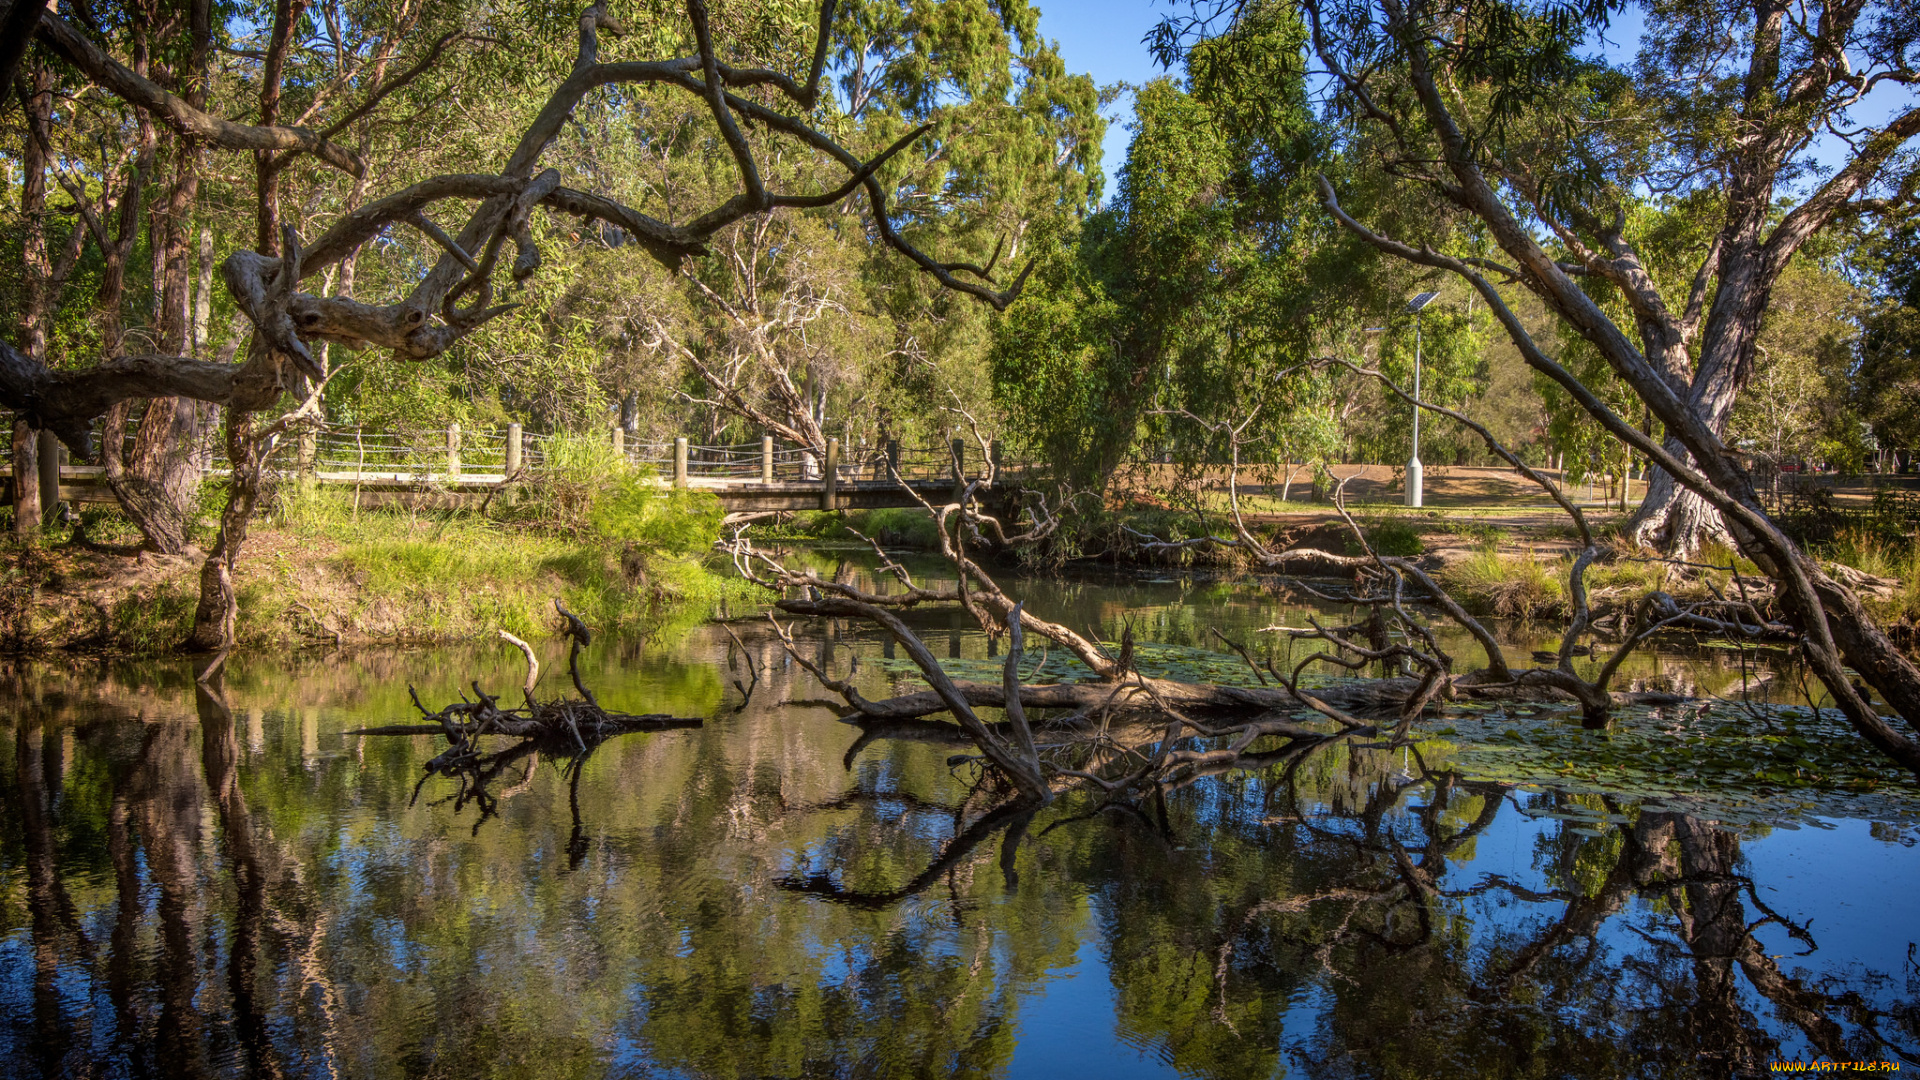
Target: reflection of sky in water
point(1067, 1028)
point(394, 938)
point(1857, 889)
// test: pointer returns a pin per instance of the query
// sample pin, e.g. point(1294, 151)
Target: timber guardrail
point(456, 459)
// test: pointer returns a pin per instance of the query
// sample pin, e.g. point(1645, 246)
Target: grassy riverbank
point(318, 571)
point(630, 557)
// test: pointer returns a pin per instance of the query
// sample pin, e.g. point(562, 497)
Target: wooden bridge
point(455, 467)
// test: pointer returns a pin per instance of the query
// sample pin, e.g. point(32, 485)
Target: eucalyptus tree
point(1885, 388)
point(122, 180)
point(797, 325)
point(453, 290)
point(1489, 113)
point(1722, 108)
point(1194, 297)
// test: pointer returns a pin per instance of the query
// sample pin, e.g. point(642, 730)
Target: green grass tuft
point(1392, 536)
point(1511, 586)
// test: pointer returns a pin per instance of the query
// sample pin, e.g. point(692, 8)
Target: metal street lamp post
point(1414, 480)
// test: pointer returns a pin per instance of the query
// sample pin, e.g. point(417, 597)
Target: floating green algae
point(1743, 764)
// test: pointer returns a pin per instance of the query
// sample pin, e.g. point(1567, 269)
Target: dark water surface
point(195, 884)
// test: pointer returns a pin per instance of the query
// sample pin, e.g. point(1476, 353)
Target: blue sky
point(1103, 38)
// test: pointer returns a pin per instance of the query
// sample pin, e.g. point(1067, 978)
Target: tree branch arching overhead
point(456, 295)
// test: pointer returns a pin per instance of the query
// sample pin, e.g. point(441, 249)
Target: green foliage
point(1886, 391)
point(582, 489)
point(635, 511)
point(1175, 297)
point(1200, 294)
point(899, 527)
point(1392, 536)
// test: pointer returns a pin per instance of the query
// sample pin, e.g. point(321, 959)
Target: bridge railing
point(339, 452)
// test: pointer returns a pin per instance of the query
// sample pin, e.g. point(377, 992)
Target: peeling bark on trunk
point(26, 479)
point(1671, 519)
point(158, 483)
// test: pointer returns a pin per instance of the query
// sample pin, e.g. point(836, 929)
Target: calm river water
point(202, 885)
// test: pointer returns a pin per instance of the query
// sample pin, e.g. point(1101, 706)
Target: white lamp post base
point(1413, 483)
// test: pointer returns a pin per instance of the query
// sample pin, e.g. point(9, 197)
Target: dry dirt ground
point(1445, 486)
point(1464, 508)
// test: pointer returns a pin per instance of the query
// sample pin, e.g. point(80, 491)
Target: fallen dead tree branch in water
point(572, 727)
point(1382, 582)
point(1123, 730)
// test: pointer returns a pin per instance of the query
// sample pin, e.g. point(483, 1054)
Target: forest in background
point(797, 322)
point(1204, 271)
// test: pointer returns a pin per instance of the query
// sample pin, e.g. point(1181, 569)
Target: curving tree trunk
point(219, 607)
point(158, 481)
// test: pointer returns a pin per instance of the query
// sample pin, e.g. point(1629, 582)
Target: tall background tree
point(1203, 286)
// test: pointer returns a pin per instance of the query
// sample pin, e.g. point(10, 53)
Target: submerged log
point(1363, 697)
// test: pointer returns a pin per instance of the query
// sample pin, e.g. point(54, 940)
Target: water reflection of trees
point(1322, 911)
point(1343, 881)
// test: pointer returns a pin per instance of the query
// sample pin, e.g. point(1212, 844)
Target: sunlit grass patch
point(1488, 582)
point(1392, 537)
point(1873, 554)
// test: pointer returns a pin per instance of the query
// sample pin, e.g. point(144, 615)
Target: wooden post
point(893, 457)
point(513, 449)
point(309, 451)
point(49, 452)
point(766, 459)
point(680, 462)
point(619, 442)
point(959, 468)
point(993, 455)
point(453, 450)
point(830, 475)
